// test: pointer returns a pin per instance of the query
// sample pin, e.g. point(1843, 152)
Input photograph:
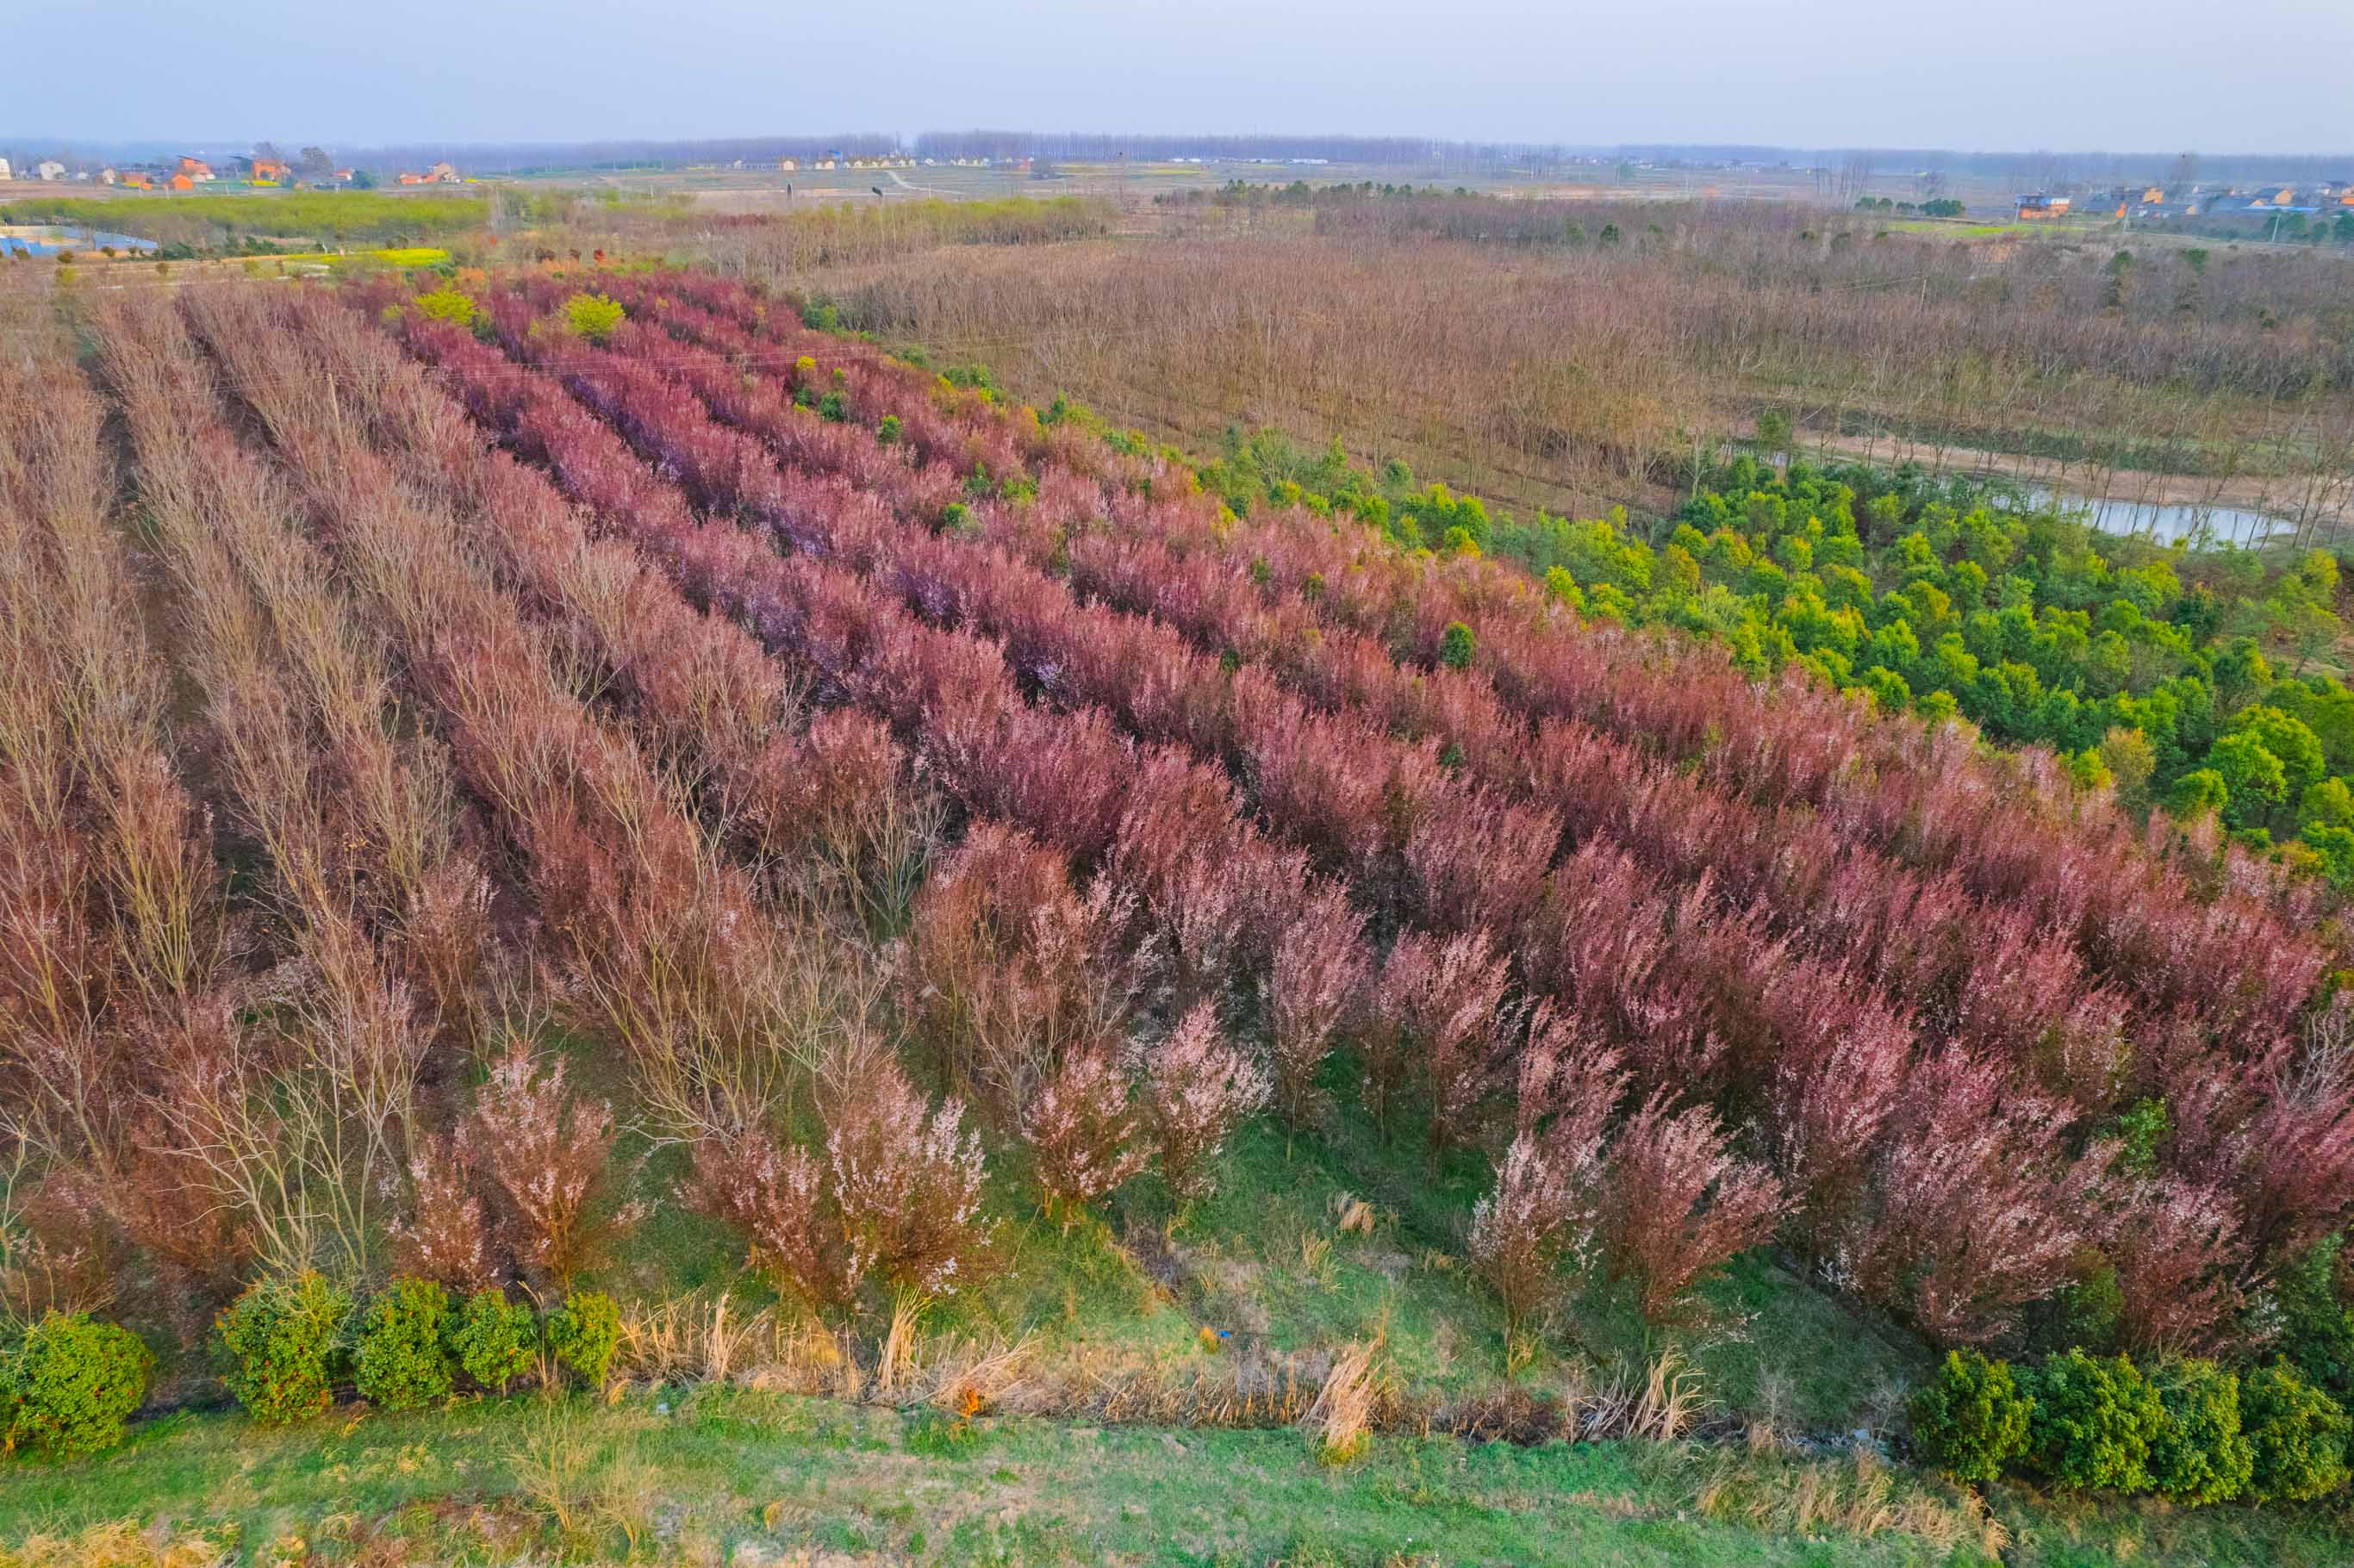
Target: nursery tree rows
point(905, 804)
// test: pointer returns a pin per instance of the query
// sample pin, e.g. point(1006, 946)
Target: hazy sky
point(2251, 75)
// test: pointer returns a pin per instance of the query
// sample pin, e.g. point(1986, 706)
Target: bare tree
point(1854, 176)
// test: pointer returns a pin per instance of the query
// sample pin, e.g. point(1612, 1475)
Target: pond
point(2164, 522)
point(47, 239)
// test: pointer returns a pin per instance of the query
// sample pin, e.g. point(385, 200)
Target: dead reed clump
point(1671, 1402)
point(1664, 1406)
point(552, 1465)
point(1769, 1430)
point(1342, 1419)
point(898, 1361)
point(690, 1339)
point(976, 1380)
point(1509, 1412)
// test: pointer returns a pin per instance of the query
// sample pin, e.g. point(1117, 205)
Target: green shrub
point(404, 1356)
point(1970, 1419)
point(2316, 1327)
point(68, 1384)
point(284, 1338)
point(1455, 646)
point(2086, 1311)
point(2298, 1432)
point(831, 407)
point(2198, 1454)
point(494, 1338)
point(2091, 1423)
point(890, 431)
point(584, 1332)
point(593, 317)
point(446, 305)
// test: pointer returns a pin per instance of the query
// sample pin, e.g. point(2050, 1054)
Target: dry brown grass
point(698, 1338)
point(1352, 1216)
point(595, 1496)
point(1857, 1495)
point(118, 1543)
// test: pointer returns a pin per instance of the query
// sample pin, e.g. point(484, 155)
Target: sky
point(2266, 76)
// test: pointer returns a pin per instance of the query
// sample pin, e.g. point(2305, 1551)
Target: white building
point(49, 169)
point(7, 172)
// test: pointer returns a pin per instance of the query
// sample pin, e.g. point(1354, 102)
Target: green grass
point(1953, 230)
point(370, 217)
point(703, 1476)
point(720, 1474)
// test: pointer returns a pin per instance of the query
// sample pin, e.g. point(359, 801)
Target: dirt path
point(905, 184)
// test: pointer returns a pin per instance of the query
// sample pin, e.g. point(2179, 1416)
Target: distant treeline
point(523, 157)
point(2024, 170)
point(1093, 147)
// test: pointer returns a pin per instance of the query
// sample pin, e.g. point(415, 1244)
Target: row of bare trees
point(1564, 375)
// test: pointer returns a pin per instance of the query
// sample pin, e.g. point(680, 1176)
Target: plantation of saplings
point(566, 830)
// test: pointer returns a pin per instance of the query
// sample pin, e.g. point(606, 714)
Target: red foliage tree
point(1975, 1208)
point(1680, 1204)
point(549, 1159)
point(1198, 1089)
point(1317, 982)
point(1438, 1019)
point(1082, 1131)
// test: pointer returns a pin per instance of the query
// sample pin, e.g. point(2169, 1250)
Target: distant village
point(263, 168)
point(2258, 205)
